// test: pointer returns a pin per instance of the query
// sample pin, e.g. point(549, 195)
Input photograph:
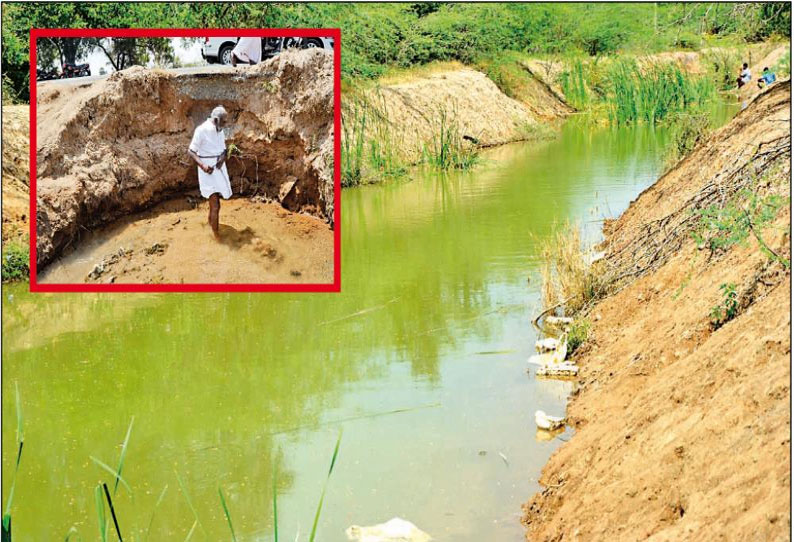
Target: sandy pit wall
point(120, 145)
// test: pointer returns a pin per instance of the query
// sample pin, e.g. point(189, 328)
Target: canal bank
point(682, 403)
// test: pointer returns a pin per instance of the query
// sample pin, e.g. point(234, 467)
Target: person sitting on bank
point(208, 149)
point(744, 77)
point(767, 78)
point(248, 51)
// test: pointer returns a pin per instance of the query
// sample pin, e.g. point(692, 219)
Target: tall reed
point(652, 92)
point(574, 85)
point(447, 147)
point(20, 438)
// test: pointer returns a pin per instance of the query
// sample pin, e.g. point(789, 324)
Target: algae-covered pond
point(421, 361)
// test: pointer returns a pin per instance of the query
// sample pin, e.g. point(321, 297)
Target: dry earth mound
point(120, 145)
point(465, 98)
point(16, 171)
point(683, 425)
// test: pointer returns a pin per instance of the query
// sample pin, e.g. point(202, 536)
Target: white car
point(219, 50)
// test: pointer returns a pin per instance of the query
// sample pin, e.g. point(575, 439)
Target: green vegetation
point(653, 92)
point(569, 279)
point(227, 514)
point(578, 333)
point(688, 129)
point(20, 438)
point(727, 309)
point(325, 486)
point(15, 262)
point(376, 37)
point(574, 86)
point(369, 144)
point(102, 494)
point(722, 226)
point(447, 149)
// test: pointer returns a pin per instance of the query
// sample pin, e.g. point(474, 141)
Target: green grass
point(196, 521)
point(447, 149)
point(100, 512)
point(227, 514)
point(370, 150)
point(654, 92)
point(20, 439)
point(574, 85)
point(578, 333)
point(15, 262)
point(154, 510)
point(325, 486)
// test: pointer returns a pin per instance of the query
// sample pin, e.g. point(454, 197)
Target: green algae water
point(420, 362)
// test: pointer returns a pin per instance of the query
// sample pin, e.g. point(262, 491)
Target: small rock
point(157, 248)
point(295, 273)
point(97, 271)
point(111, 279)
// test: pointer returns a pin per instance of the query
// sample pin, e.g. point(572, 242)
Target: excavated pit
point(119, 146)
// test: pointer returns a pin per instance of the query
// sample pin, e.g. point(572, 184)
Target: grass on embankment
point(15, 256)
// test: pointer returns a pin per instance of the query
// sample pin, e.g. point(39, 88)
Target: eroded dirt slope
point(469, 100)
point(119, 145)
point(172, 243)
point(16, 172)
point(683, 427)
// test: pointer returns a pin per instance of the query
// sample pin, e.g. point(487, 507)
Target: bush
point(15, 262)
point(727, 309)
point(568, 276)
point(688, 129)
point(578, 333)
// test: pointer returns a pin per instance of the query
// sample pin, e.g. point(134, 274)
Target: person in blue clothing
point(767, 78)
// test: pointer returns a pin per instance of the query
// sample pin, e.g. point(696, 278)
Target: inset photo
point(190, 160)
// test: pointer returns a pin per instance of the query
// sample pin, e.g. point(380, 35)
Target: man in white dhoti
point(248, 50)
point(208, 149)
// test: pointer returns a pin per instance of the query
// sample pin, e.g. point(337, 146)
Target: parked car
point(219, 50)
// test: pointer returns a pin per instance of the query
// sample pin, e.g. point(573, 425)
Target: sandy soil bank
point(16, 172)
point(172, 243)
point(683, 430)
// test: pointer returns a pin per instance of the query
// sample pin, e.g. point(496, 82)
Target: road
point(211, 68)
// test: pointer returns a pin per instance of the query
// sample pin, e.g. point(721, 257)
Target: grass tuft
point(325, 486)
point(226, 512)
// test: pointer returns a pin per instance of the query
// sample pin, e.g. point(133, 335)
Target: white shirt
point(209, 143)
point(249, 49)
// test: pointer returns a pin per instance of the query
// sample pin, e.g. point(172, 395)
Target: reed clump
point(447, 148)
point(653, 92)
point(570, 279)
point(370, 143)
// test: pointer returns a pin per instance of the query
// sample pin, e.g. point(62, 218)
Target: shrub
point(688, 129)
point(15, 262)
point(578, 333)
point(568, 276)
point(728, 308)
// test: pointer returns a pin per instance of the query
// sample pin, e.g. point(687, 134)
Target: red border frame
point(335, 286)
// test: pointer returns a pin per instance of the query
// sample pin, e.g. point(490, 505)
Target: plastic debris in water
point(560, 369)
point(394, 530)
point(559, 320)
point(544, 421)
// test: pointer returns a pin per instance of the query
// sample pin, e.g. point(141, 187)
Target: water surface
point(420, 361)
